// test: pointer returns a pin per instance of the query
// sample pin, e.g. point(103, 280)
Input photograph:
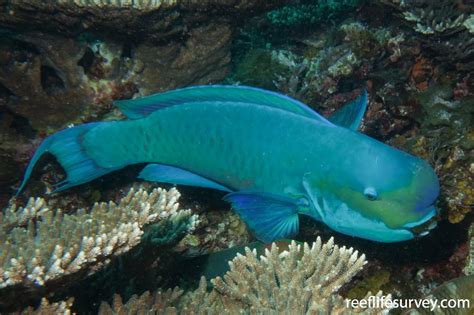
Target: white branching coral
point(19, 216)
point(302, 280)
point(47, 308)
point(469, 24)
point(160, 302)
point(432, 17)
point(40, 244)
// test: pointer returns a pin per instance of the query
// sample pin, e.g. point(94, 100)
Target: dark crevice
point(18, 123)
point(127, 51)
point(87, 60)
point(22, 50)
point(50, 81)
point(5, 94)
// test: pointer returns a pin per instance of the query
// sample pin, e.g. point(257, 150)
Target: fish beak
point(423, 226)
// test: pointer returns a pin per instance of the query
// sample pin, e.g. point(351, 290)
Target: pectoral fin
point(269, 216)
point(350, 115)
point(174, 175)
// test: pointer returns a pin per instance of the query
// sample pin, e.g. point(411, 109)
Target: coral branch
point(42, 245)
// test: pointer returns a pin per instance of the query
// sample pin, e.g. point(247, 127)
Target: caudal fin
point(66, 146)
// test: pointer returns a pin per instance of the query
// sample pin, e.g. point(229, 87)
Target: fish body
point(275, 157)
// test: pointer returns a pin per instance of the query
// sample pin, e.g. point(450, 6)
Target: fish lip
point(430, 213)
point(424, 225)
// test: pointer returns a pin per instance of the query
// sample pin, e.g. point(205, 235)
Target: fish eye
point(370, 193)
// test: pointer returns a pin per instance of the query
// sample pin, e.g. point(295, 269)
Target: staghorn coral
point(43, 246)
point(47, 308)
point(430, 17)
point(301, 280)
point(469, 24)
point(444, 27)
point(160, 302)
point(201, 301)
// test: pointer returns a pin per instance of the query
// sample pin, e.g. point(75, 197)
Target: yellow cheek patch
point(389, 208)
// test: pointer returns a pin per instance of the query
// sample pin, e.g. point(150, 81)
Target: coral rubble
point(42, 246)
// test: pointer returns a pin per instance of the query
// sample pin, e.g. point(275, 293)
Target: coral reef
point(326, 62)
point(44, 247)
point(469, 267)
point(156, 20)
point(431, 17)
point(160, 302)
point(258, 68)
point(303, 280)
point(44, 82)
point(306, 277)
point(47, 308)
point(310, 13)
point(68, 70)
point(445, 27)
point(372, 282)
point(54, 81)
point(459, 290)
point(217, 230)
point(447, 143)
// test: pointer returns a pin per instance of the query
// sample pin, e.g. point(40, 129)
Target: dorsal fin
point(351, 114)
point(142, 107)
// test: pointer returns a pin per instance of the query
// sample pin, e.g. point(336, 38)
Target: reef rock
point(89, 52)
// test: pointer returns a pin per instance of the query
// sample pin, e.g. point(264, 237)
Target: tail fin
point(66, 146)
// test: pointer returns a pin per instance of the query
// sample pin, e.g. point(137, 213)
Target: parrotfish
point(274, 156)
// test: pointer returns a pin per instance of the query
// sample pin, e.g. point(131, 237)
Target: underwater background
point(121, 245)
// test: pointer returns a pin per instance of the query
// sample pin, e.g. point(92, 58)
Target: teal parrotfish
point(274, 156)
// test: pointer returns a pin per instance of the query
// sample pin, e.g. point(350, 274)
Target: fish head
point(381, 194)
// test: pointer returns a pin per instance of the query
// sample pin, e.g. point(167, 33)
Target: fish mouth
point(424, 225)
